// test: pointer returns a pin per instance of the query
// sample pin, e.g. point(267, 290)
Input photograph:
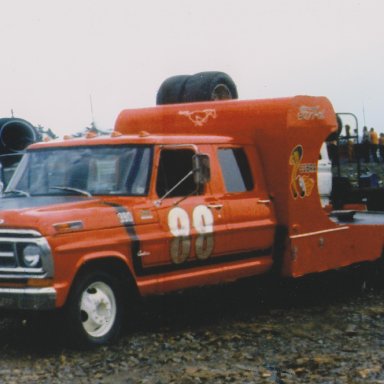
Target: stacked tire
point(203, 86)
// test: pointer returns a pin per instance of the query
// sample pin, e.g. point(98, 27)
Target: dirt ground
point(326, 329)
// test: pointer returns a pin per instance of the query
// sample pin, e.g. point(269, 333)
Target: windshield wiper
point(18, 192)
point(71, 189)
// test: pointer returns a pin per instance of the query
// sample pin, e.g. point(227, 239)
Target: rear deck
point(357, 217)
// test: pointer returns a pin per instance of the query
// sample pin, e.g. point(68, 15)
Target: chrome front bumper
point(28, 298)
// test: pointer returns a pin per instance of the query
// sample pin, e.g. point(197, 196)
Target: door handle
point(263, 201)
point(215, 206)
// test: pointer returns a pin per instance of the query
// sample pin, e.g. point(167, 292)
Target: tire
point(374, 273)
point(171, 90)
point(205, 86)
point(16, 134)
point(94, 311)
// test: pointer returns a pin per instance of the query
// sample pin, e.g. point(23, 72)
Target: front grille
point(12, 245)
point(17, 233)
point(8, 257)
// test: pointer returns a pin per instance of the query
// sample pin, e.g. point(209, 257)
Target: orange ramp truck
point(177, 196)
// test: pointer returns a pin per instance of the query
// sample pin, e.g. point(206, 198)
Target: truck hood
point(48, 213)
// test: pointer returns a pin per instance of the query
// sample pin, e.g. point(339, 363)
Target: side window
point(235, 169)
point(174, 165)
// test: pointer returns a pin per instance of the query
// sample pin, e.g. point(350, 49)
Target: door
point(191, 226)
point(251, 222)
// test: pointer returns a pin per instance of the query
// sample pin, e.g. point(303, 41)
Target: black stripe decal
point(135, 242)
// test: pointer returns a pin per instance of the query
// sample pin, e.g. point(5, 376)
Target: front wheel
point(94, 309)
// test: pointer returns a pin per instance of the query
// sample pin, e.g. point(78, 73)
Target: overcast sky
point(56, 54)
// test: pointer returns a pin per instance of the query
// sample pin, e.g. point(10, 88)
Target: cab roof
point(143, 138)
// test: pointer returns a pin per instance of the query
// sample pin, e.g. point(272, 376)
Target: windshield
point(96, 170)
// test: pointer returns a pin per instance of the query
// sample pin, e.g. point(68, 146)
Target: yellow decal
point(301, 184)
point(199, 118)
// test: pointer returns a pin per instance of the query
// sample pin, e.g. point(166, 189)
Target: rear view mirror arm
point(159, 201)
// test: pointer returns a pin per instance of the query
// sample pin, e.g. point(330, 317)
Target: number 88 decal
point(179, 225)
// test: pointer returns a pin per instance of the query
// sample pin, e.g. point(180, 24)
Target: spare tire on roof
point(171, 90)
point(205, 86)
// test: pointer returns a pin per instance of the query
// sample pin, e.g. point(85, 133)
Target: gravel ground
point(318, 330)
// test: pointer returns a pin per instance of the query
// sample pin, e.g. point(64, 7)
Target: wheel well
point(115, 268)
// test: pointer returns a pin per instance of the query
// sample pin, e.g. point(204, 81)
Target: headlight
point(31, 256)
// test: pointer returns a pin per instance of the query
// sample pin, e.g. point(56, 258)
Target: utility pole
point(92, 115)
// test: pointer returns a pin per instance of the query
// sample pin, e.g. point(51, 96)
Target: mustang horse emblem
point(199, 118)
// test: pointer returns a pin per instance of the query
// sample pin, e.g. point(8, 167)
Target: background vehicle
point(15, 135)
point(358, 176)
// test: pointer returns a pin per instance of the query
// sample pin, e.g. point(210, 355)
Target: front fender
point(94, 259)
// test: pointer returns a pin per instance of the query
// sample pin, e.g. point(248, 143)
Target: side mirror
point(201, 169)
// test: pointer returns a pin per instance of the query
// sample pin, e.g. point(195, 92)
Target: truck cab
point(146, 184)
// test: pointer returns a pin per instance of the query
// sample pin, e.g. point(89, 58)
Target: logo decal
point(301, 183)
point(125, 217)
point(310, 113)
point(199, 118)
point(146, 214)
